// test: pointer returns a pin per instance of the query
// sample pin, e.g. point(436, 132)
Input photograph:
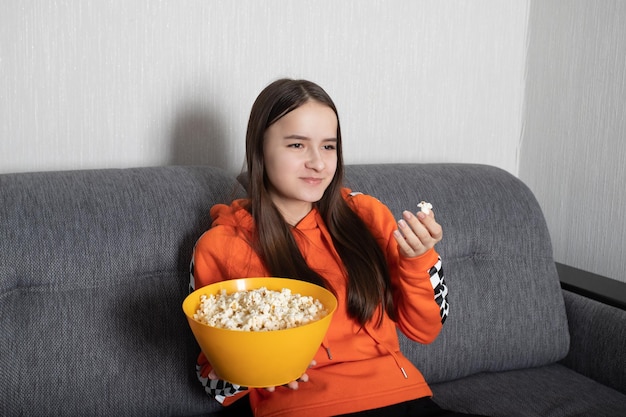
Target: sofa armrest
point(597, 340)
point(594, 286)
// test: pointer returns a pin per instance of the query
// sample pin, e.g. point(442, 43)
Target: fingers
point(434, 228)
point(417, 233)
point(294, 384)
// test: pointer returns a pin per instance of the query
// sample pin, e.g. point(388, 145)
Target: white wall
point(574, 141)
point(90, 83)
point(537, 88)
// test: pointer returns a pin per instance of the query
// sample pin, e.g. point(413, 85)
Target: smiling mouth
point(311, 180)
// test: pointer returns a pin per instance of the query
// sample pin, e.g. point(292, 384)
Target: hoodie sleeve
point(209, 264)
point(420, 296)
point(420, 292)
point(223, 391)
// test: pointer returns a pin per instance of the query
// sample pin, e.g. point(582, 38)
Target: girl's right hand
point(417, 233)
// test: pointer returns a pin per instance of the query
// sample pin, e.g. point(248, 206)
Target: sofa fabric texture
point(93, 270)
point(94, 266)
point(592, 325)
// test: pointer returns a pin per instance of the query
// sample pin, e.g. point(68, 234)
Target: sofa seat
point(547, 391)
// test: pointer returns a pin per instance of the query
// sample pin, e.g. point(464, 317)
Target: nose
point(314, 160)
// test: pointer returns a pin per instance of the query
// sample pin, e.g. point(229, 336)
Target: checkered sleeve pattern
point(192, 281)
point(440, 288)
point(218, 388)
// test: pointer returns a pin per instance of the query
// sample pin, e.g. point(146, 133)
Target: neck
point(293, 215)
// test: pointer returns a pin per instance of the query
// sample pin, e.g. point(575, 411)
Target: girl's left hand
point(417, 233)
point(294, 384)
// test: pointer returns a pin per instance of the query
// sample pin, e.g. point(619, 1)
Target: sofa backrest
point(506, 306)
point(94, 266)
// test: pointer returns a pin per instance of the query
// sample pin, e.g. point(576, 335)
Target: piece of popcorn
point(425, 207)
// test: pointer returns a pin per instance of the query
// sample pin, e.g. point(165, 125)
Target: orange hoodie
point(357, 369)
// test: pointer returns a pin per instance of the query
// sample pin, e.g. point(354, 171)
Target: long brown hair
point(369, 284)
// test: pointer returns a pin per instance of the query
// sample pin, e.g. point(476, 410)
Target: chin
point(312, 198)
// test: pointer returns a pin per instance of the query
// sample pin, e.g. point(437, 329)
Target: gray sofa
point(94, 268)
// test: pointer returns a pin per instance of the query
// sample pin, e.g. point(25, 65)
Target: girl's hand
point(417, 233)
point(293, 384)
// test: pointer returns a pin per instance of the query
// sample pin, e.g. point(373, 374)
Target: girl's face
point(300, 152)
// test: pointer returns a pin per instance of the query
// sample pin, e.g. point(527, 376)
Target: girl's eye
point(296, 145)
point(329, 147)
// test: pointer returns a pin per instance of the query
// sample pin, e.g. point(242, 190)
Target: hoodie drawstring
point(326, 347)
point(390, 351)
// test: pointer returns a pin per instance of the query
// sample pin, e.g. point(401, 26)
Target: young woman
point(300, 222)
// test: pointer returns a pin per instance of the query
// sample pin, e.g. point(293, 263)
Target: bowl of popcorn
point(260, 332)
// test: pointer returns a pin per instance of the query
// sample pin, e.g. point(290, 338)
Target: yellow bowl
point(267, 358)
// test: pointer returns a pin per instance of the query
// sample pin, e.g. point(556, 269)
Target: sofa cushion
point(548, 391)
point(506, 306)
point(93, 272)
point(112, 349)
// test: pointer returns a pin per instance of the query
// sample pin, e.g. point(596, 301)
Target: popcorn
point(258, 310)
point(425, 207)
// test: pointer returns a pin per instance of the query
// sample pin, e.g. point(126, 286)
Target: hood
point(234, 215)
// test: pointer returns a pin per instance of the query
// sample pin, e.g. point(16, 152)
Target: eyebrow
point(300, 137)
